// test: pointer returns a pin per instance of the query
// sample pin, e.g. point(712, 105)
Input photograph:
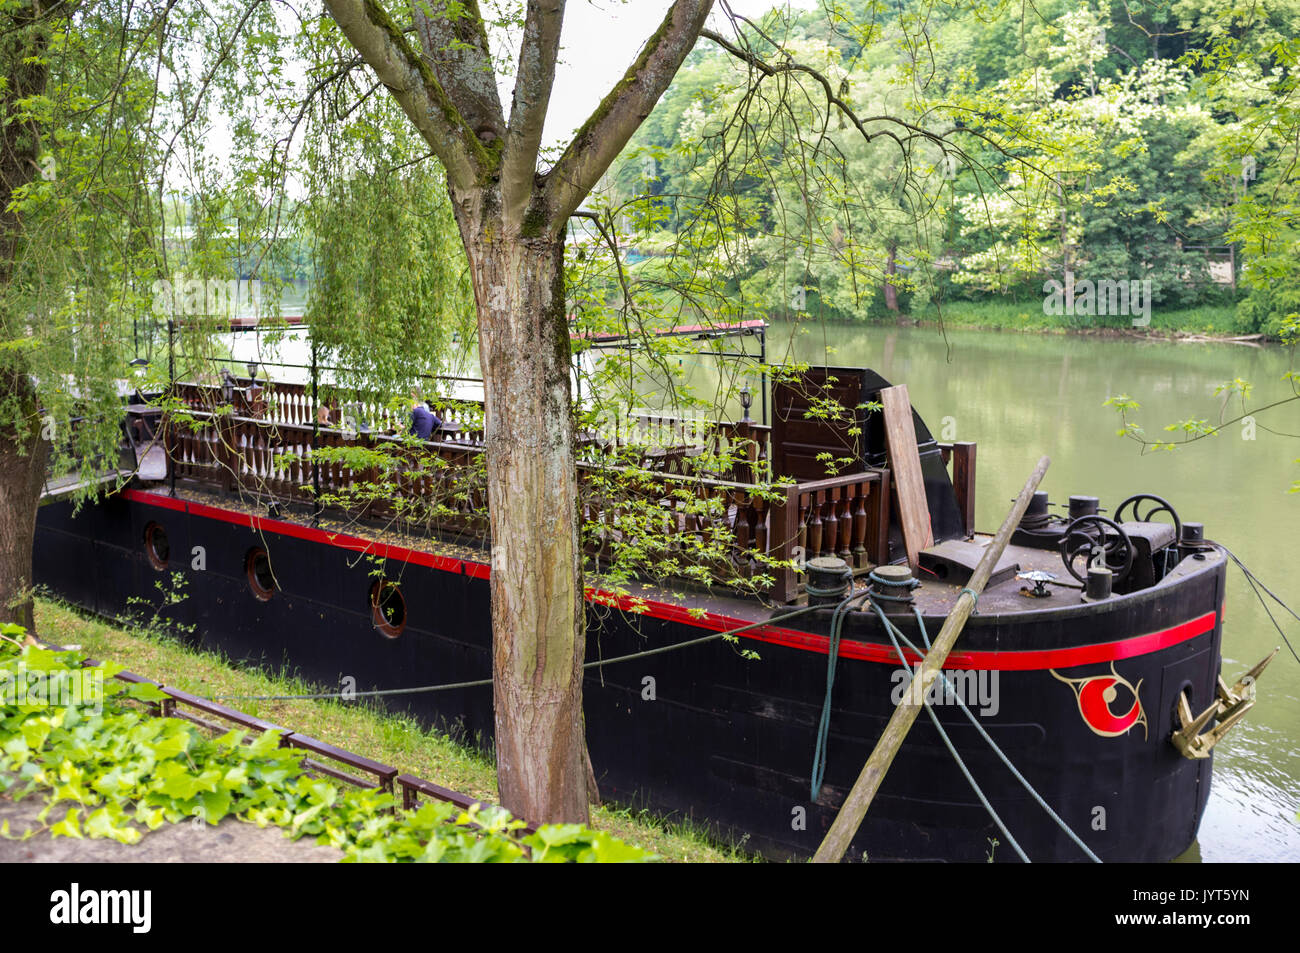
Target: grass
point(1029, 316)
point(400, 741)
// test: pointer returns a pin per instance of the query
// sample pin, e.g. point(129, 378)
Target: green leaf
point(69, 826)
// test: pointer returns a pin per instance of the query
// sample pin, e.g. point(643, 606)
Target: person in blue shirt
point(423, 420)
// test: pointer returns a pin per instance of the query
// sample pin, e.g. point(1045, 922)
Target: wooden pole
point(855, 807)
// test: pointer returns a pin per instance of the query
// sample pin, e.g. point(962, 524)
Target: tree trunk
point(24, 41)
point(538, 621)
point(512, 220)
point(891, 269)
point(22, 474)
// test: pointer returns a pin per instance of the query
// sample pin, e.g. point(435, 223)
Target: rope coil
point(908, 584)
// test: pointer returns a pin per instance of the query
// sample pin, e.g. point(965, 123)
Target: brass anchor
point(1230, 706)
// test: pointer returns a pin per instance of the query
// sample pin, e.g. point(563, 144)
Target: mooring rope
point(948, 688)
point(1256, 585)
point(320, 696)
point(832, 655)
point(890, 629)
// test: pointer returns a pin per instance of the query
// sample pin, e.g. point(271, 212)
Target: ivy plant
point(104, 766)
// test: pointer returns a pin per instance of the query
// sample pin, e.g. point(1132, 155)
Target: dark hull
point(725, 741)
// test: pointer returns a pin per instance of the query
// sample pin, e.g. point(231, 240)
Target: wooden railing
point(739, 530)
point(349, 411)
point(745, 442)
point(962, 458)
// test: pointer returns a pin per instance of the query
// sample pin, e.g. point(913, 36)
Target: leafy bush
point(106, 768)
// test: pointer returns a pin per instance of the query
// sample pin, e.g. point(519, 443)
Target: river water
point(1022, 395)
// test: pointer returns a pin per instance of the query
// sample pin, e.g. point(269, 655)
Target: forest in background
point(1121, 142)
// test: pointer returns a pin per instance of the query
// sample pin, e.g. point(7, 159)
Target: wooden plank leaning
point(849, 819)
point(905, 462)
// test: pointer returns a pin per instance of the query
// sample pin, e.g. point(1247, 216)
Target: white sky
point(601, 38)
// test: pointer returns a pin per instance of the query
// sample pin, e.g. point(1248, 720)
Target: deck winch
point(1137, 549)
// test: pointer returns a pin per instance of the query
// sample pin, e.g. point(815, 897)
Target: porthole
point(156, 546)
point(257, 566)
point(388, 608)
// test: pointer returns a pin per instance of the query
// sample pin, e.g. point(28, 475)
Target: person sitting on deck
point(423, 420)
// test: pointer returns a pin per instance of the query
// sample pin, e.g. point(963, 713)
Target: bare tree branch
point(415, 87)
point(607, 131)
point(535, 78)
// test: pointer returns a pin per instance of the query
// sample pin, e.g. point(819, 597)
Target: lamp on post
point(746, 401)
point(252, 371)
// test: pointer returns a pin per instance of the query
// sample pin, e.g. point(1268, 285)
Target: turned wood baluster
point(254, 470)
point(801, 524)
point(754, 518)
point(267, 458)
point(279, 476)
point(287, 468)
point(232, 450)
point(218, 435)
point(271, 454)
point(845, 506)
point(264, 458)
point(303, 472)
point(245, 445)
point(741, 528)
point(860, 524)
point(242, 447)
point(291, 481)
point(224, 449)
point(814, 525)
point(831, 521)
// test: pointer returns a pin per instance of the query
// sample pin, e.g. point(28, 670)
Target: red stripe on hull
point(353, 544)
point(1034, 660)
point(154, 499)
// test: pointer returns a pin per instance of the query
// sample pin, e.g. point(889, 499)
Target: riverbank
point(394, 740)
point(1205, 322)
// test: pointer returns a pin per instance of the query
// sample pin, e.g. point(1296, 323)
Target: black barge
point(1092, 696)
